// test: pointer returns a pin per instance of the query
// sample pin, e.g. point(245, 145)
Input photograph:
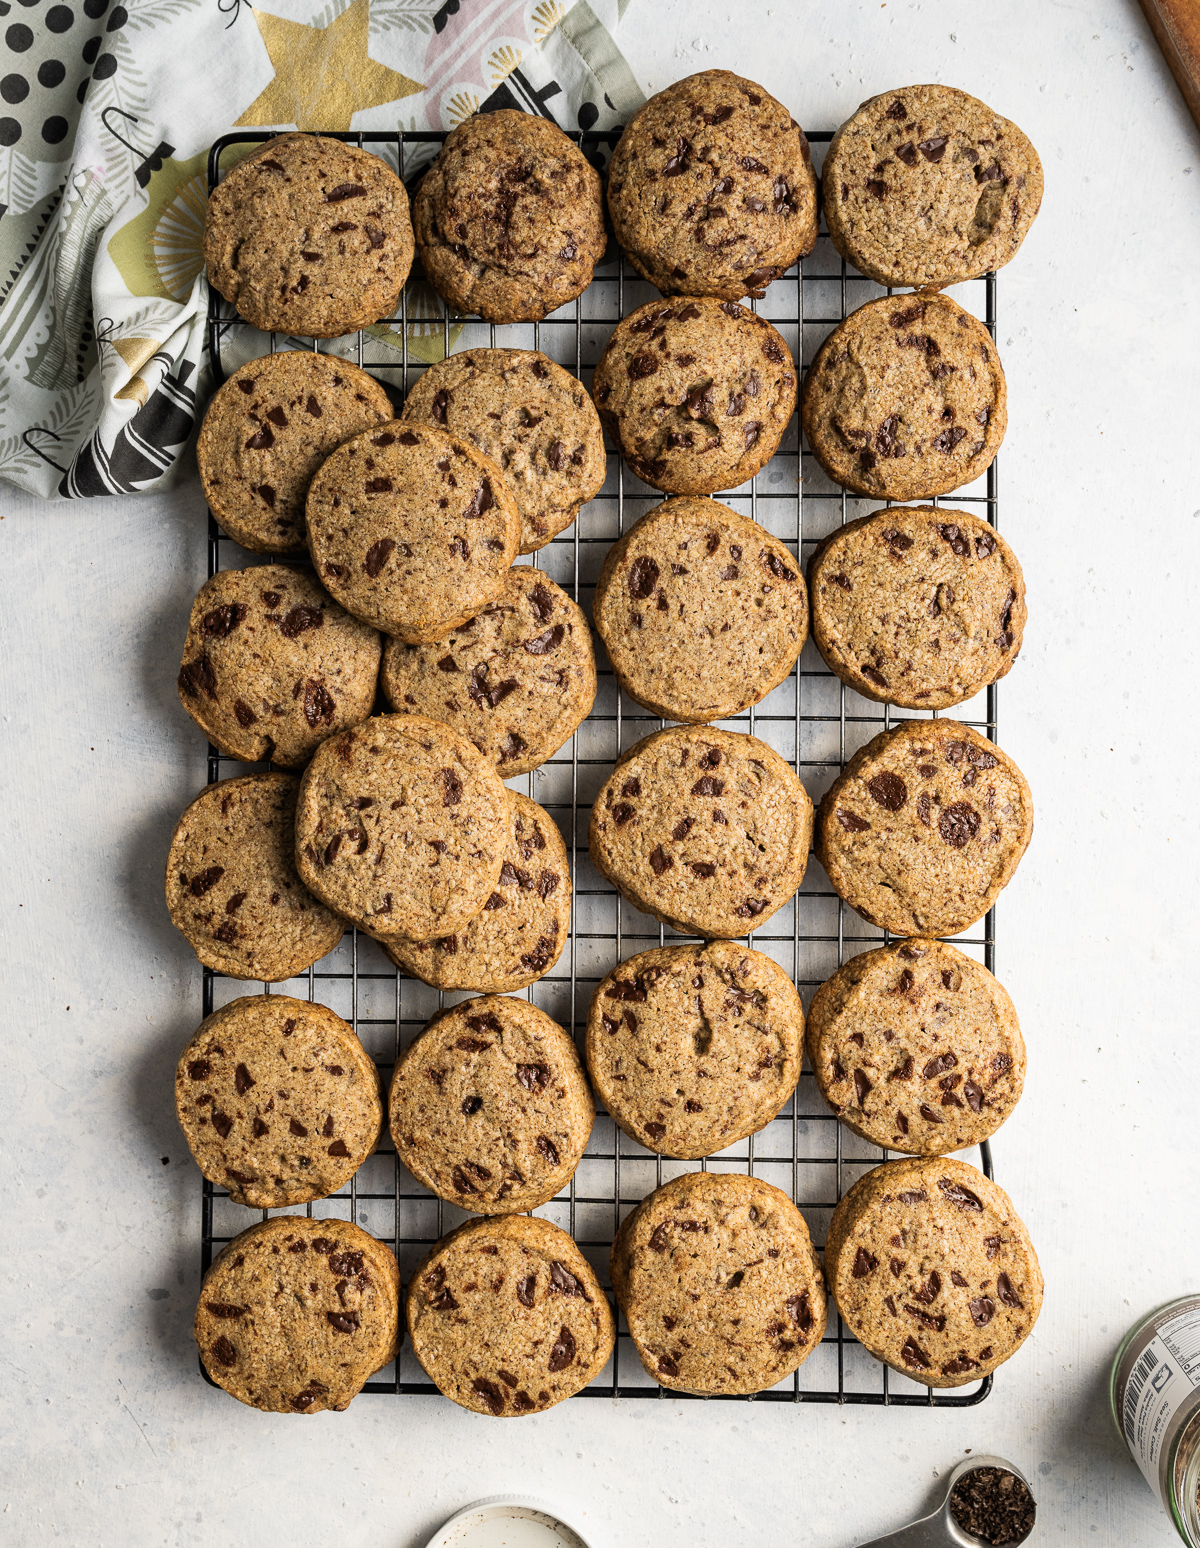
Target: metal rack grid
point(814, 721)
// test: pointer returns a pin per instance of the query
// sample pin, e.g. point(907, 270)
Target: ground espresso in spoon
point(994, 1505)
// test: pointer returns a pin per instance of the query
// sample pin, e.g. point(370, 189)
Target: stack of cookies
point(389, 540)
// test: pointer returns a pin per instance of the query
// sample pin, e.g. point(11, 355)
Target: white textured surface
point(108, 1434)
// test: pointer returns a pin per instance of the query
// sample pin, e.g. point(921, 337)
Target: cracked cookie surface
point(701, 610)
point(296, 1315)
point(232, 886)
point(696, 393)
point(532, 418)
point(507, 1317)
point(933, 1270)
point(520, 933)
point(272, 666)
point(309, 236)
point(278, 1101)
point(412, 529)
point(509, 219)
point(924, 827)
point(927, 186)
point(692, 1048)
point(707, 830)
point(917, 1048)
point(917, 607)
point(401, 827)
point(489, 1107)
point(719, 1283)
point(906, 399)
point(711, 188)
point(518, 678)
point(268, 430)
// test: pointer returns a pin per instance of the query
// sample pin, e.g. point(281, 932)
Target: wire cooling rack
point(811, 719)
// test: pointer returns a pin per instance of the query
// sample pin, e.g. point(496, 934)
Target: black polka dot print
point(32, 84)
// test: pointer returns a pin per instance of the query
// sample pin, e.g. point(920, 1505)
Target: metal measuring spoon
point(940, 1530)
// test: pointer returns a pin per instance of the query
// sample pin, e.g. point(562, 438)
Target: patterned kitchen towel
point(106, 115)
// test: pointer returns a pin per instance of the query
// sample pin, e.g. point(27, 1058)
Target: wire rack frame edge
point(805, 1139)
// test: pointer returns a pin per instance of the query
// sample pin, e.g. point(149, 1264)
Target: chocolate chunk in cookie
point(926, 186)
point(309, 236)
point(933, 1271)
point(532, 418)
point(924, 827)
point(917, 607)
point(711, 188)
point(272, 665)
point(697, 393)
point(692, 1048)
point(509, 218)
point(518, 678)
point(701, 610)
point(906, 399)
point(232, 887)
point(268, 430)
point(412, 529)
point(707, 830)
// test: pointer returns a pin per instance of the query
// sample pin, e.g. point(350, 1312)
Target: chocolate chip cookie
point(507, 1317)
point(309, 236)
point(692, 1048)
point(509, 218)
point(906, 399)
point(924, 827)
point(518, 678)
point(719, 1284)
point(412, 529)
point(917, 1048)
point(523, 927)
point(528, 415)
point(490, 1108)
point(701, 610)
point(277, 1100)
point(401, 827)
point(696, 393)
point(272, 665)
point(926, 186)
point(268, 430)
point(933, 1271)
point(917, 607)
point(706, 830)
point(297, 1315)
point(711, 188)
point(232, 888)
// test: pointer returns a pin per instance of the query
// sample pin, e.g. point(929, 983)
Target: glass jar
point(1155, 1395)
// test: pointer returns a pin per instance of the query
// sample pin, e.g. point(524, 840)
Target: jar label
point(1165, 1376)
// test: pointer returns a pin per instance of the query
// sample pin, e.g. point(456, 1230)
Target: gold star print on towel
point(323, 75)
